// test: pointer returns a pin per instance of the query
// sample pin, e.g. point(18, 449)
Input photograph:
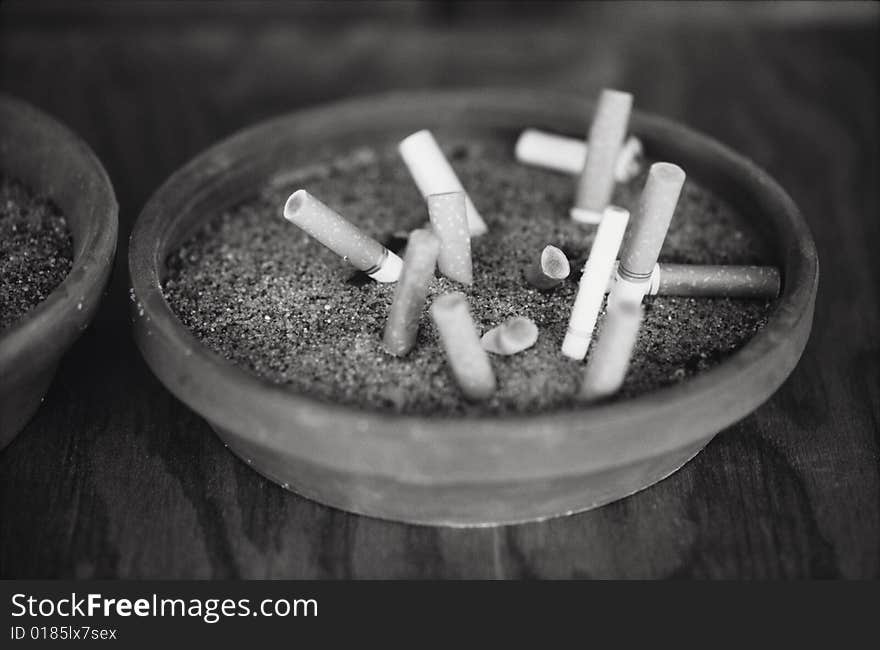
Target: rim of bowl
point(794, 304)
point(49, 323)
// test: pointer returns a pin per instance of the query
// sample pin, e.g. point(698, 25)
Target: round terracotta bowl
point(460, 471)
point(53, 162)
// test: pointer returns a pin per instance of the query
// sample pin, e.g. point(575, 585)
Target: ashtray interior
point(468, 470)
point(52, 162)
point(265, 295)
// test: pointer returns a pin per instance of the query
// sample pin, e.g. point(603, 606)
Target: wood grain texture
point(115, 478)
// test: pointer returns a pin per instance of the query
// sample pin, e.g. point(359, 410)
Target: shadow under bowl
point(55, 163)
point(460, 471)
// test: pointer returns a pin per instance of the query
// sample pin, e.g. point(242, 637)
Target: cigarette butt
point(591, 289)
point(466, 357)
point(512, 336)
point(448, 213)
point(568, 155)
point(342, 237)
point(712, 281)
point(433, 174)
point(410, 293)
point(549, 270)
point(609, 360)
point(650, 222)
point(607, 131)
point(630, 160)
point(762, 282)
point(551, 151)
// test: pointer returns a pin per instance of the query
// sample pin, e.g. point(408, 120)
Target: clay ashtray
point(275, 343)
point(56, 166)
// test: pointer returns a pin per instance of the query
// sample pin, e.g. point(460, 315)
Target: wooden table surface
point(116, 478)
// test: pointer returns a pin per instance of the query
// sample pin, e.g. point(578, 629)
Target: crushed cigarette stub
point(567, 155)
point(609, 360)
point(448, 213)
point(419, 262)
point(458, 336)
point(712, 281)
point(433, 174)
point(512, 336)
point(591, 288)
point(342, 237)
point(650, 222)
point(607, 132)
point(549, 270)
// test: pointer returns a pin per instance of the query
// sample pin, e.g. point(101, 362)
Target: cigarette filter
point(563, 154)
point(606, 136)
point(410, 293)
point(549, 270)
point(591, 289)
point(512, 336)
point(433, 174)
point(461, 343)
point(610, 358)
point(643, 242)
point(342, 237)
point(448, 213)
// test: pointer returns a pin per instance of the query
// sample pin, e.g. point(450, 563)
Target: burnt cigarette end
point(551, 268)
point(512, 336)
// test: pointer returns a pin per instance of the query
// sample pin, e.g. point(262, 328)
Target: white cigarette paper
point(458, 335)
point(342, 237)
point(513, 335)
point(568, 155)
point(433, 174)
point(650, 222)
point(591, 289)
point(448, 213)
point(607, 132)
point(410, 293)
point(609, 360)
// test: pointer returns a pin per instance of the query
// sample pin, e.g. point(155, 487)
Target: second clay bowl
point(55, 163)
point(461, 471)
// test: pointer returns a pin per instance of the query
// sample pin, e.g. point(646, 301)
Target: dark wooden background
point(115, 478)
